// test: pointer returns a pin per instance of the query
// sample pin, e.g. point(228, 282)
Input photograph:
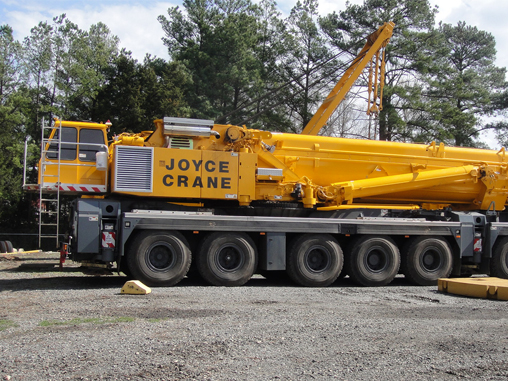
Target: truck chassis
point(158, 246)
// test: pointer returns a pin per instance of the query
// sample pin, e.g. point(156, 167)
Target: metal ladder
point(49, 186)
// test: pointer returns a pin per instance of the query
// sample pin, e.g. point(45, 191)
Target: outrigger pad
point(135, 287)
point(485, 287)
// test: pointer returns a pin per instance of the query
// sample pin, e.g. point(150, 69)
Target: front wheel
point(314, 260)
point(159, 258)
point(373, 261)
point(499, 261)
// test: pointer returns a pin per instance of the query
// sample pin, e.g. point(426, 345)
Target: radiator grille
point(134, 169)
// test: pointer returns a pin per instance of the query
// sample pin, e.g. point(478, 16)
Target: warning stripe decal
point(76, 188)
point(108, 240)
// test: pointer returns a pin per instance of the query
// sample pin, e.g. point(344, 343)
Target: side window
point(69, 135)
point(87, 151)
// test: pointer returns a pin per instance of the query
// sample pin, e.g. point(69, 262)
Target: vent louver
point(134, 169)
point(182, 143)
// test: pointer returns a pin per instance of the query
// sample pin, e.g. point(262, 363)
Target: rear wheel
point(427, 259)
point(314, 260)
point(3, 247)
point(499, 261)
point(373, 261)
point(159, 258)
point(227, 259)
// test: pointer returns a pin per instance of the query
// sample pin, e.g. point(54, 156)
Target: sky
point(135, 21)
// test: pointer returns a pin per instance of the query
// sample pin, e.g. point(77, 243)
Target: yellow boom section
point(370, 52)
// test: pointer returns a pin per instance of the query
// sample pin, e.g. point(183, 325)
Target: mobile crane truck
point(236, 201)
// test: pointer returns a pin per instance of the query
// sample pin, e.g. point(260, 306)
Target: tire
point(314, 260)
point(426, 260)
point(373, 261)
point(499, 260)
point(159, 258)
point(10, 248)
point(227, 259)
point(3, 247)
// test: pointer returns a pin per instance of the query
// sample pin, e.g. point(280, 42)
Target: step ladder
point(49, 185)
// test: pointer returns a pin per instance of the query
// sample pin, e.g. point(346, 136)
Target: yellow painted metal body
point(81, 170)
point(487, 288)
point(244, 165)
point(333, 173)
point(225, 162)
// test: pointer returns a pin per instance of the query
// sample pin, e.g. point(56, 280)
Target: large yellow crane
point(236, 200)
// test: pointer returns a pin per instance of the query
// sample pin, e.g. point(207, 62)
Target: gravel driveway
point(64, 325)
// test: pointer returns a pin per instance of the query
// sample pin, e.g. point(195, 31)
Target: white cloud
point(135, 22)
point(487, 15)
point(136, 25)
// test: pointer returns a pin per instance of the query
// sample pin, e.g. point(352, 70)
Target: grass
point(4, 324)
point(78, 321)
point(156, 320)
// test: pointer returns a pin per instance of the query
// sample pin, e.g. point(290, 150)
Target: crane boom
point(375, 42)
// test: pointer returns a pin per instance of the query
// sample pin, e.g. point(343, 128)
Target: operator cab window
point(87, 151)
point(69, 135)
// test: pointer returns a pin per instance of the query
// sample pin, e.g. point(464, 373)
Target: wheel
point(426, 260)
point(159, 258)
point(3, 247)
point(499, 261)
point(314, 260)
point(373, 261)
point(227, 259)
point(9, 247)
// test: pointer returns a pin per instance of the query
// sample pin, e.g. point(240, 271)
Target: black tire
point(373, 261)
point(499, 260)
point(10, 248)
point(314, 260)
point(3, 247)
point(159, 258)
point(427, 259)
point(227, 259)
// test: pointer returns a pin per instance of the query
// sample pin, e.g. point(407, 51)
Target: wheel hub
point(317, 259)
point(376, 260)
point(431, 260)
point(160, 257)
point(229, 258)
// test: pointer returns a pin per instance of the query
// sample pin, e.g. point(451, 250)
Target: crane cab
point(74, 158)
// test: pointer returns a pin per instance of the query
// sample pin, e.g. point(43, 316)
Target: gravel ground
point(64, 325)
